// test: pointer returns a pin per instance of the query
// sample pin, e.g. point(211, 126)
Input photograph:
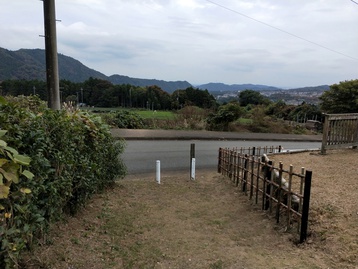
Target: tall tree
point(251, 97)
point(341, 98)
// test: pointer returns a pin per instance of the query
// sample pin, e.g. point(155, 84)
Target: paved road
point(173, 150)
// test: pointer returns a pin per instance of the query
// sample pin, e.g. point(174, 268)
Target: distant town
point(290, 97)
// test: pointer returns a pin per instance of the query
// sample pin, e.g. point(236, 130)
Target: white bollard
point(192, 168)
point(158, 172)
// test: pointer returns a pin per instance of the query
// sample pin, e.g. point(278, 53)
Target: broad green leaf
point(10, 176)
point(2, 133)
point(21, 159)
point(12, 150)
point(11, 167)
point(2, 207)
point(28, 174)
point(4, 191)
point(3, 143)
point(3, 161)
point(39, 219)
point(25, 190)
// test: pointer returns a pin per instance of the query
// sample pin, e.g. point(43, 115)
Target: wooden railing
point(340, 131)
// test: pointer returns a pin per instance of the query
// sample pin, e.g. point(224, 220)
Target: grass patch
point(145, 114)
point(160, 115)
point(244, 121)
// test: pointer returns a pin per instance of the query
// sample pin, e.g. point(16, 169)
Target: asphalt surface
point(145, 134)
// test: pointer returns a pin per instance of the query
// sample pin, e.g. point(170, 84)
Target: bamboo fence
point(281, 191)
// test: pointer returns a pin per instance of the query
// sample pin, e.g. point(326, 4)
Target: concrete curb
point(144, 134)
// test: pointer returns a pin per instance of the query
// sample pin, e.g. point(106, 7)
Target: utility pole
point(52, 76)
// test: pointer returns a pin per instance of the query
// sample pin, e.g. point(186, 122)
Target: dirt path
point(207, 223)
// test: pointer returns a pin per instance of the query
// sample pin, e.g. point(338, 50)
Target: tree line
point(249, 104)
point(101, 93)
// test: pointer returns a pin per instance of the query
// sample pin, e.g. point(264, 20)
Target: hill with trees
point(217, 87)
point(30, 64)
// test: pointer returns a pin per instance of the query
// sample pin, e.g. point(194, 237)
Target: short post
point(158, 171)
point(219, 160)
point(192, 174)
point(192, 155)
point(306, 205)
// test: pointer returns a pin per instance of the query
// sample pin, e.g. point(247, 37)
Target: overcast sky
point(282, 43)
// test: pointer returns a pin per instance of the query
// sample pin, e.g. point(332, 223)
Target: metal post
point(52, 76)
point(192, 155)
point(192, 169)
point(158, 171)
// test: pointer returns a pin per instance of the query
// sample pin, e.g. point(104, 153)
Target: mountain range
point(30, 64)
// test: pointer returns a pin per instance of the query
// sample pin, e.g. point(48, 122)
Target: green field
point(244, 121)
point(145, 114)
point(149, 114)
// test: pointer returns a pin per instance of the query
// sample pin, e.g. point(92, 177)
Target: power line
point(355, 2)
point(281, 30)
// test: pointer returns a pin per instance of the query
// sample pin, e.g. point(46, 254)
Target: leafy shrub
point(124, 119)
point(16, 222)
point(73, 155)
point(220, 120)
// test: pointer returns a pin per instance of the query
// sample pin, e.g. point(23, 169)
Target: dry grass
point(208, 224)
point(334, 204)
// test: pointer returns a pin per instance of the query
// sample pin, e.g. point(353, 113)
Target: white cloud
point(248, 41)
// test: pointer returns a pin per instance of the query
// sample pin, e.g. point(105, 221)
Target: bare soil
point(208, 223)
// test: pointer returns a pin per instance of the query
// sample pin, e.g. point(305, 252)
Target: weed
point(217, 265)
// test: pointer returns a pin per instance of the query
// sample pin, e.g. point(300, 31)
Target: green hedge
point(73, 156)
point(123, 119)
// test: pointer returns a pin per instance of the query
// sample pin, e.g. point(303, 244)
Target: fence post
point(267, 186)
point(231, 163)
point(219, 160)
point(244, 181)
point(325, 133)
point(252, 176)
point(279, 191)
point(306, 205)
point(258, 179)
point(238, 164)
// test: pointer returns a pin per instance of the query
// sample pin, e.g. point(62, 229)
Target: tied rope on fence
point(252, 171)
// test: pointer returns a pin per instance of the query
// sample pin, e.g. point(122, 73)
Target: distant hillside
point(215, 87)
point(169, 86)
point(30, 64)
